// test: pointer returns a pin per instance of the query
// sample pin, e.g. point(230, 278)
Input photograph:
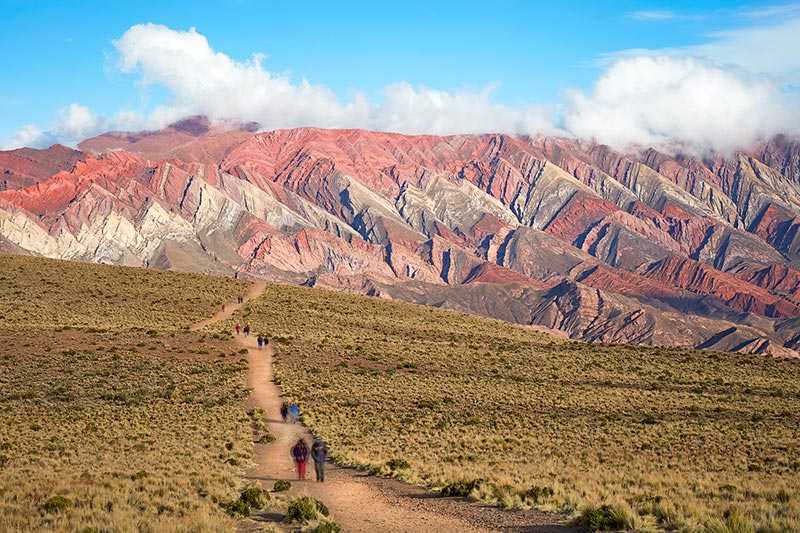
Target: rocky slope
point(576, 237)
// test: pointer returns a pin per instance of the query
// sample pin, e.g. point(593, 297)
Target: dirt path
point(357, 502)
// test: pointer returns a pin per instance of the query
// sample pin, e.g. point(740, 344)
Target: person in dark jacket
point(319, 452)
point(300, 455)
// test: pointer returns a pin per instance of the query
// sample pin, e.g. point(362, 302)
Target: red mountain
point(605, 246)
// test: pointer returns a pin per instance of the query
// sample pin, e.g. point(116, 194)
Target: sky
point(693, 76)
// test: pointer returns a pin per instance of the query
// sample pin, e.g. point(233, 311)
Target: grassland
point(114, 417)
point(670, 439)
point(37, 292)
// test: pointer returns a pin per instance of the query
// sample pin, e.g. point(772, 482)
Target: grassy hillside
point(37, 292)
point(667, 438)
point(114, 418)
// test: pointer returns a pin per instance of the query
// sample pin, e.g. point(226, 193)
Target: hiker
point(260, 341)
point(223, 308)
point(300, 454)
point(294, 411)
point(266, 340)
point(238, 328)
point(246, 330)
point(241, 299)
point(319, 452)
point(284, 411)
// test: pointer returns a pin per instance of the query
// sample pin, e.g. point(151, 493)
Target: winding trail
point(358, 502)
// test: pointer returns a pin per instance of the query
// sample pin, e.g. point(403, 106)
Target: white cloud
point(207, 82)
point(679, 103)
point(28, 135)
point(75, 122)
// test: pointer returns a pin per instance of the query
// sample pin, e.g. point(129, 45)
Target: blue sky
point(450, 67)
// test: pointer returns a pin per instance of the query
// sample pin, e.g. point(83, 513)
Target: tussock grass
point(668, 438)
point(114, 418)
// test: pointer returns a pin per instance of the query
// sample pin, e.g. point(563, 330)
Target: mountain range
point(572, 236)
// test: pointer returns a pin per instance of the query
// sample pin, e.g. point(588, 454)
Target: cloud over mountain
point(680, 103)
point(668, 101)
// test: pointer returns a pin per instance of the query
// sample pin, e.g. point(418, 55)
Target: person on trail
point(223, 308)
point(300, 455)
point(238, 328)
point(246, 330)
point(294, 411)
point(266, 340)
point(319, 452)
point(260, 341)
point(241, 299)
point(284, 411)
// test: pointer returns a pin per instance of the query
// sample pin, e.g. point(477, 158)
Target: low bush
point(327, 527)
point(266, 438)
point(255, 497)
point(238, 507)
point(537, 495)
point(281, 486)
point(397, 464)
point(305, 509)
point(57, 504)
point(602, 518)
point(462, 487)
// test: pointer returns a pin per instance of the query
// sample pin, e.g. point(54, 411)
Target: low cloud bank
point(674, 103)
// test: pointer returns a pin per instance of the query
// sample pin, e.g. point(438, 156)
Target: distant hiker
point(246, 330)
point(238, 328)
point(284, 411)
point(241, 299)
point(300, 454)
point(266, 340)
point(294, 411)
point(223, 308)
point(260, 341)
point(319, 452)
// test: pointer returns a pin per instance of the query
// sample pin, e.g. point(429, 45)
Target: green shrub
point(281, 486)
point(462, 487)
point(602, 518)
point(141, 474)
point(397, 464)
point(305, 509)
point(537, 495)
point(255, 497)
point(56, 504)
point(238, 507)
point(266, 438)
point(327, 527)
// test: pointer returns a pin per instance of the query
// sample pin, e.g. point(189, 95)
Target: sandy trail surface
point(357, 502)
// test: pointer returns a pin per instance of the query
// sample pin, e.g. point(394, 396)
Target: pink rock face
point(27, 166)
point(602, 245)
